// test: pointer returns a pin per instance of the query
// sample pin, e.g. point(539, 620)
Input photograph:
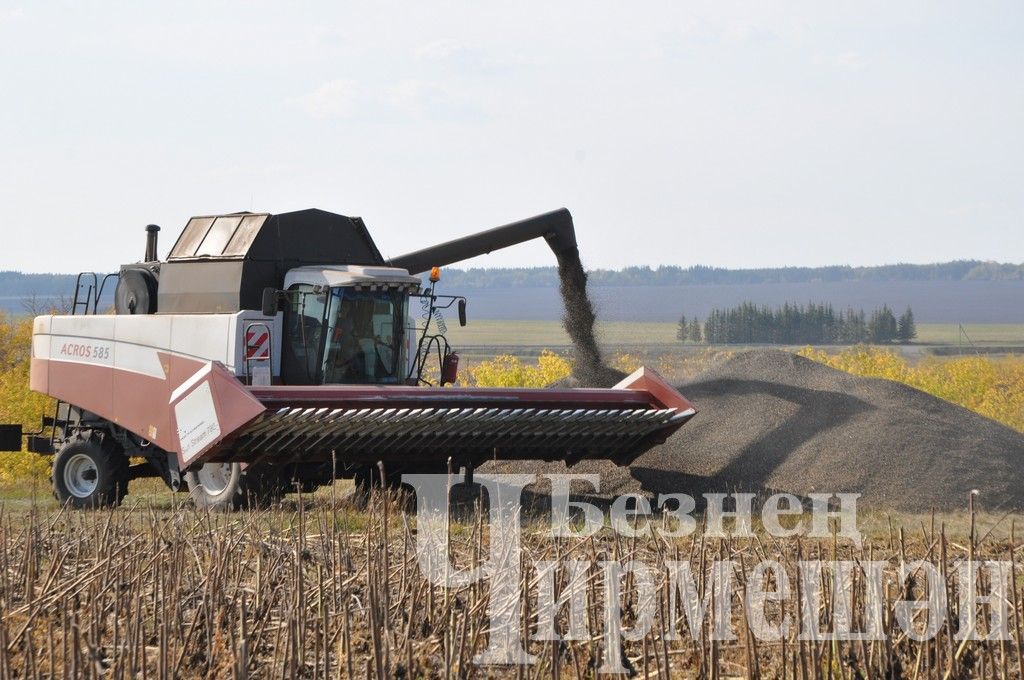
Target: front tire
point(227, 487)
point(90, 472)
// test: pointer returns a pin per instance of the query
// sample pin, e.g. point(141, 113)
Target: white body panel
point(350, 275)
point(131, 342)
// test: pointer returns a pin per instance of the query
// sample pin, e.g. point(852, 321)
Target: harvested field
point(316, 589)
point(770, 420)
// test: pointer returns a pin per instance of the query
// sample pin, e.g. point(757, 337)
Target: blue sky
point(738, 135)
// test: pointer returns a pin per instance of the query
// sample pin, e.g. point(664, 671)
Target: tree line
point(671, 275)
point(13, 283)
point(791, 324)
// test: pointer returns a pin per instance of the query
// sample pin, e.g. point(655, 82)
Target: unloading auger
point(275, 350)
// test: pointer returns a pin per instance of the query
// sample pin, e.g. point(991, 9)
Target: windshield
point(364, 343)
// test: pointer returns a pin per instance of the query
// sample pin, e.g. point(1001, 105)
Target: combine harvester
point(271, 351)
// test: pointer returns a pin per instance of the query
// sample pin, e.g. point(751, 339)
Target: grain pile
point(770, 420)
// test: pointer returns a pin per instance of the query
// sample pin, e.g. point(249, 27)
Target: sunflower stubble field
point(318, 587)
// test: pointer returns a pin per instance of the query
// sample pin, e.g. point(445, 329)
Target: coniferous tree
point(883, 326)
point(683, 330)
point(711, 333)
point(813, 324)
point(695, 332)
point(906, 328)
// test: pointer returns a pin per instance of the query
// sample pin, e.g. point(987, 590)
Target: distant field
point(495, 333)
point(979, 334)
point(488, 332)
point(940, 302)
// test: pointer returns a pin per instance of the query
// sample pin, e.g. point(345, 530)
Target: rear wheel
point(90, 472)
point(226, 486)
point(367, 478)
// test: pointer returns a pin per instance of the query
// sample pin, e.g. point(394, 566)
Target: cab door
point(302, 346)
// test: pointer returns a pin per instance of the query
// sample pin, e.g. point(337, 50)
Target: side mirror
point(462, 311)
point(270, 300)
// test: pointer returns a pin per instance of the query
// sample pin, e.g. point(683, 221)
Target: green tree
point(906, 328)
point(696, 335)
point(883, 326)
point(793, 324)
point(681, 332)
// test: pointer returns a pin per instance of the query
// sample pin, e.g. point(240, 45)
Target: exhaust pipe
point(151, 232)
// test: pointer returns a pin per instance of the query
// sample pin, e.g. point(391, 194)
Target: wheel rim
point(214, 477)
point(80, 476)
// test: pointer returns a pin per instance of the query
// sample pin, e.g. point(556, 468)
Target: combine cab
point(270, 351)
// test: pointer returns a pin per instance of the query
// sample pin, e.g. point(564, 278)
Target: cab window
point(304, 322)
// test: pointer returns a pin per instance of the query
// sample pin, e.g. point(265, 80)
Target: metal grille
point(370, 434)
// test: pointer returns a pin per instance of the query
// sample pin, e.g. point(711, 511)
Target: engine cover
point(136, 291)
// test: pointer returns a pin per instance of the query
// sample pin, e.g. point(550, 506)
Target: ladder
point(89, 288)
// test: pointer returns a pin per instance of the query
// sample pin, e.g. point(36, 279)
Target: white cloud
point(848, 61)
point(465, 58)
point(348, 99)
point(445, 48)
point(333, 99)
point(8, 15)
point(411, 94)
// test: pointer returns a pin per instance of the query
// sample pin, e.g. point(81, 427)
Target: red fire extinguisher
point(450, 368)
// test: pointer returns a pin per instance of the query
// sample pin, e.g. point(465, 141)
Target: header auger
point(275, 350)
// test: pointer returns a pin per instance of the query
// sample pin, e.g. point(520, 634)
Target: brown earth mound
point(774, 421)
